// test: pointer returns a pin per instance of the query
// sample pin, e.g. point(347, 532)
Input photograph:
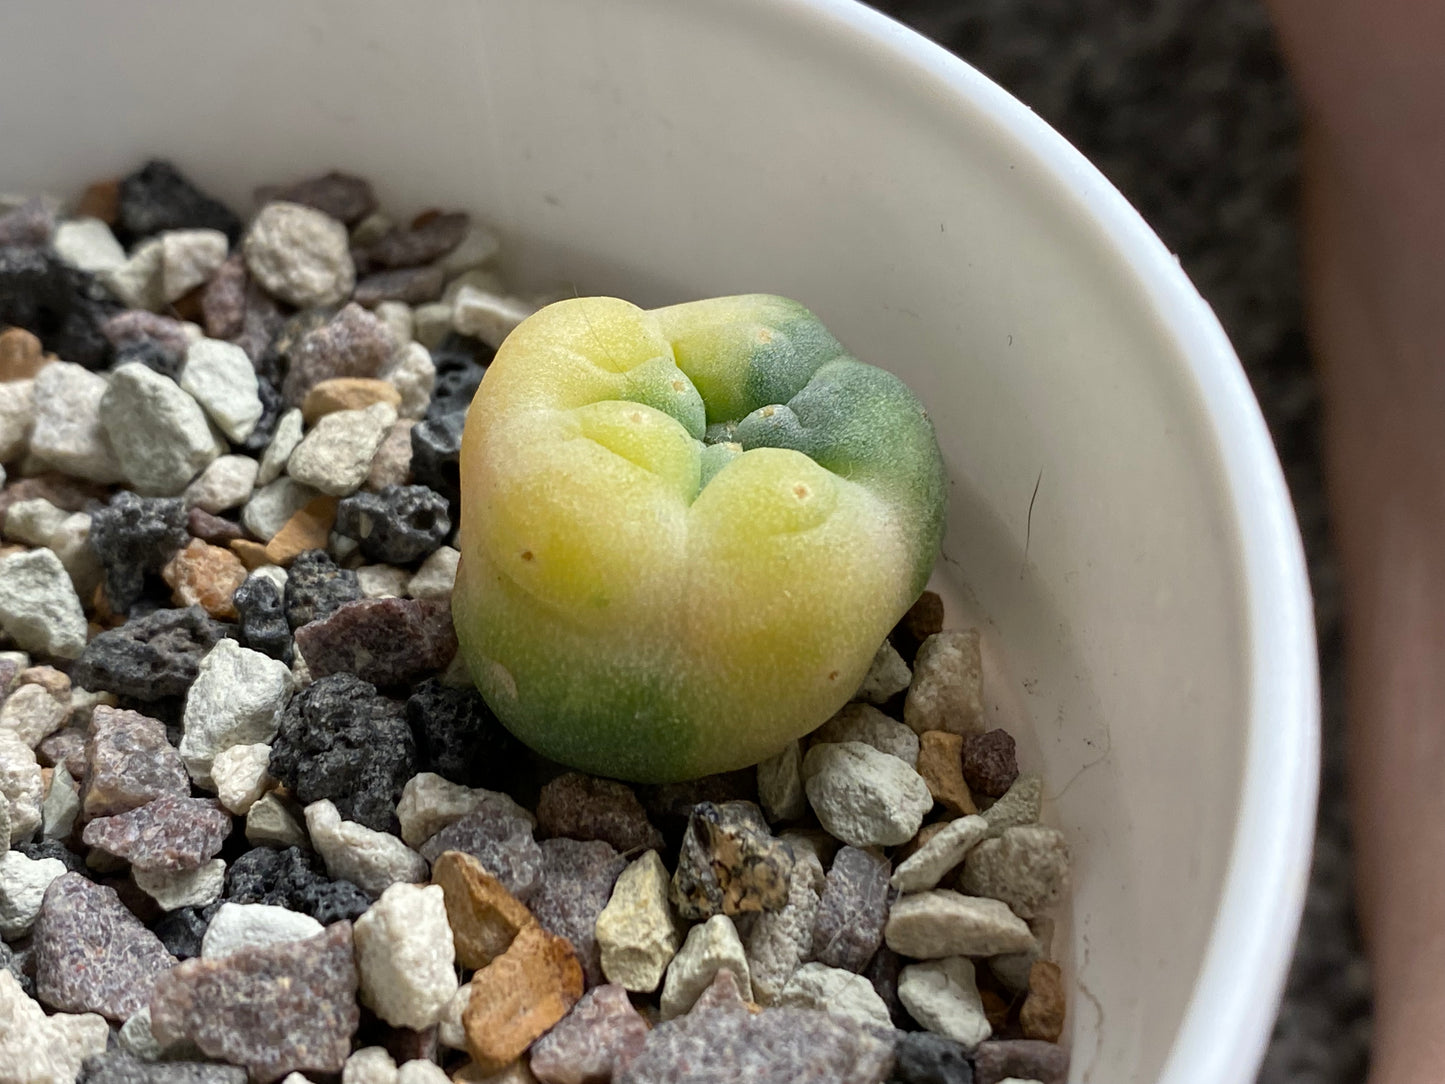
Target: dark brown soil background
point(1184, 105)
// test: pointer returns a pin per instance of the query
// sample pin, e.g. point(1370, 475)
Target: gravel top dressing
point(261, 824)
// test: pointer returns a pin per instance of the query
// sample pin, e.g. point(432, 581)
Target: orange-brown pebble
point(485, 918)
point(519, 996)
point(101, 200)
point(21, 355)
point(997, 1009)
point(207, 576)
point(252, 554)
point(940, 762)
point(307, 529)
point(346, 393)
point(1042, 1016)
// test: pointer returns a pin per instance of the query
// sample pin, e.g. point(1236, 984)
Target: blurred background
point(1185, 106)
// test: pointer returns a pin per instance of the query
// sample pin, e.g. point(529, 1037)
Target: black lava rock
point(263, 617)
point(436, 446)
point(132, 536)
point(117, 1067)
point(152, 355)
point(149, 658)
point(460, 362)
point(398, 525)
point(157, 197)
point(181, 930)
point(924, 1058)
point(296, 879)
point(340, 739)
point(315, 588)
point(52, 848)
point(272, 405)
point(61, 305)
point(458, 737)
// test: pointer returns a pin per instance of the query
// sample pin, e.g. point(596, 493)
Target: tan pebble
point(252, 554)
point(519, 996)
point(206, 575)
point(485, 917)
point(1042, 1016)
point(940, 762)
point(346, 393)
point(21, 356)
point(308, 529)
point(392, 464)
point(101, 200)
point(10, 550)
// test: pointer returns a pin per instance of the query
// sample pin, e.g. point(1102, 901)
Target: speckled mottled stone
point(577, 881)
point(584, 807)
point(600, 1037)
point(730, 863)
point(167, 834)
point(501, 840)
point(852, 911)
point(129, 762)
point(386, 641)
point(780, 941)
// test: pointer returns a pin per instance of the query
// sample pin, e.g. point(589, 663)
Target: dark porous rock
point(152, 355)
point(223, 299)
point(354, 342)
point(459, 738)
point(340, 740)
point(726, 1045)
point(133, 536)
point(52, 848)
point(273, 405)
point(436, 448)
point(181, 930)
point(208, 527)
point(31, 223)
point(730, 863)
point(259, 603)
point(580, 806)
point(853, 910)
point(460, 362)
point(499, 836)
point(64, 307)
point(990, 763)
point(262, 326)
point(315, 587)
point(91, 953)
point(577, 880)
point(294, 879)
point(299, 1003)
point(118, 1067)
point(166, 835)
point(343, 196)
point(923, 619)
point(1025, 1059)
point(924, 1058)
point(414, 285)
point(129, 762)
point(387, 641)
point(883, 971)
point(398, 525)
point(148, 658)
point(430, 239)
point(157, 197)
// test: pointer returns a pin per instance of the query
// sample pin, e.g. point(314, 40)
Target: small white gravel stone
point(37, 522)
point(23, 882)
point(236, 699)
point(61, 805)
point(450, 1029)
point(89, 245)
point(781, 940)
point(22, 787)
point(382, 581)
point(275, 573)
point(300, 255)
point(68, 433)
point(17, 418)
point(239, 775)
point(430, 802)
point(40, 1049)
point(479, 246)
point(174, 889)
point(396, 315)
point(431, 323)
point(33, 713)
point(222, 379)
point(437, 576)
point(710, 947)
point(369, 1065)
point(939, 923)
point(238, 926)
point(947, 688)
point(336, 455)
point(780, 784)
point(283, 442)
point(1027, 867)
point(412, 373)
point(136, 1038)
point(159, 432)
point(188, 259)
point(1020, 805)
point(137, 281)
point(925, 867)
point(38, 604)
point(404, 956)
point(865, 723)
point(942, 995)
point(269, 823)
point(637, 933)
point(374, 861)
point(864, 797)
point(225, 484)
point(887, 676)
point(422, 1071)
point(486, 316)
point(485, 280)
point(831, 989)
point(273, 504)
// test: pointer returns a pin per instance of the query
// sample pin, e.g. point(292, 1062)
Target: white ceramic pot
point(1154, 613)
